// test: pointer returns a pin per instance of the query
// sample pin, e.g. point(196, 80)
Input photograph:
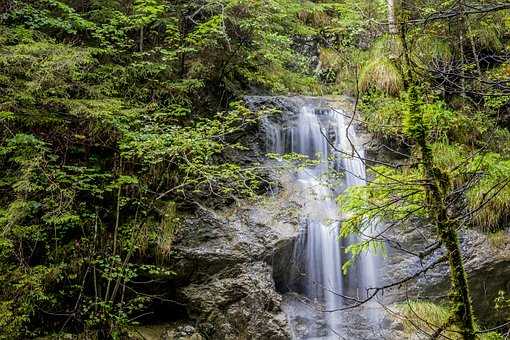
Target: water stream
point(321, 129)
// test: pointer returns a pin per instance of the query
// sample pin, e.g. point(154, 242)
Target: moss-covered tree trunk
point(437, 185)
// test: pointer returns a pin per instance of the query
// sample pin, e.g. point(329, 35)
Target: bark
point(462, 34)
point(141, 39)
point(392, 22)
point(437, 185)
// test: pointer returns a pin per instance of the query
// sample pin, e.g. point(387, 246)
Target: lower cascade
point(317, 290)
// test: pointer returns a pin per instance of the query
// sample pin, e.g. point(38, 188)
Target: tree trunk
point(141, 39)
point(392, 22)
point(437, 186)
point(462, 34)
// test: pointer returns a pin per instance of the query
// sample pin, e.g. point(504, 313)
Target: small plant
point(424, 318)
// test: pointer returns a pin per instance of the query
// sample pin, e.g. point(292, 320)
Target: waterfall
point(319, 129)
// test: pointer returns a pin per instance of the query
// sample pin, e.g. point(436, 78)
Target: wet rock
point(487, 266)
point(187, 332)
point(488, 269)
point(239, 302)
point(226, 261)
point(176, 331)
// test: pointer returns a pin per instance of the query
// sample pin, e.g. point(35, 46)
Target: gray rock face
point(487, 266)
point(174, 331)
point(239, 302)
point(224, 262)
point(232, 263)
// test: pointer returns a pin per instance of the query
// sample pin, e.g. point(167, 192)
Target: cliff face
point(225, 260)
point(229, 263)
point(232, 265)
point(487, 257)
point(487, 265)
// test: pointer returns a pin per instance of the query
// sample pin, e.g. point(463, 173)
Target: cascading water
point(319, 130)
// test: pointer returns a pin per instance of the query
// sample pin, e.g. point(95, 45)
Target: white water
point(321, 132)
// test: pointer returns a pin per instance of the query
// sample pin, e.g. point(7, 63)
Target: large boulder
point(239, 302)
point(226, 262)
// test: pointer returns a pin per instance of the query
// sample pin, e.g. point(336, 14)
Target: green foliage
point(380, 71)
point(499, 239)
point(51, 16)
point(295, 159)
point(381, 74)
point(439, 121)
point(490, 197)
point(146, 11)
point(383, 199)
point(382, 114)
point(443, 128)
point(487, 35)
point(116, 117)
point(449, 115)
point(348, 28)
point(396, 196)
point(431, 50)
point(502, 304)
point(499, 101)
point(426, 317)
point(390, 116)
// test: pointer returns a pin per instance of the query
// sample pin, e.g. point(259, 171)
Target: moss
point(425, 317)
point(167, 229)
point(487, 36)
point(499, 239)
point(430, 49)
point(491, 194)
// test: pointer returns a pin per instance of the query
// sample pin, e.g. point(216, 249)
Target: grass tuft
point(499, 239)
point(490, 197)
point(423, 318)
point(382, 75)
point(487, 36)
point(431, 50)
point(167, 229)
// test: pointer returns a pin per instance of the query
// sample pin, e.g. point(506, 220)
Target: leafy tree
point(448, 181)
point(117, 117)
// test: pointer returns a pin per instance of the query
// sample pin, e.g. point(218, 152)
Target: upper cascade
point(322, 130)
